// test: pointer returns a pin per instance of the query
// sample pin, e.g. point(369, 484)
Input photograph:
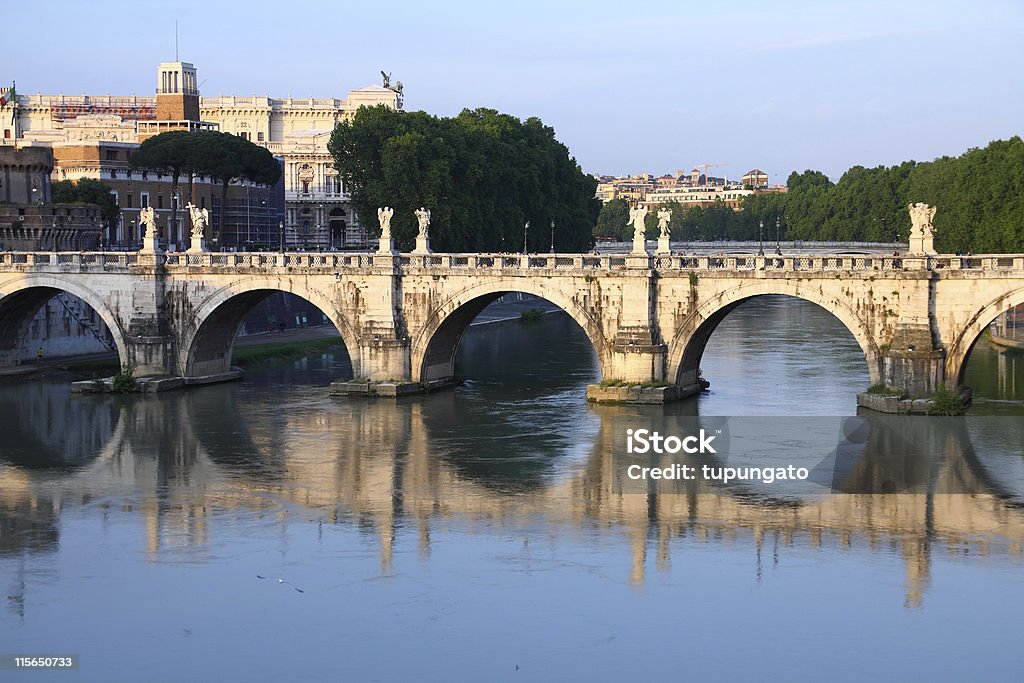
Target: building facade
point(317, 209)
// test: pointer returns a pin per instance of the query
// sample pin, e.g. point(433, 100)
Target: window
point(305, 187)
point(7, 133)
point(111, 155)
point(128, 201)
point(143, 200)
point(259, 136)
point(215, 212)
point(159, 201)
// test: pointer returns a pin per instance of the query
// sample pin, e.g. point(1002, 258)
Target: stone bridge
point(401, 316)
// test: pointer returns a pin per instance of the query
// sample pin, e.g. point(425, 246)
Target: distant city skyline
point(781, 87)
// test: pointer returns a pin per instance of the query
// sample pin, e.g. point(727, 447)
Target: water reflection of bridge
point(193, 462)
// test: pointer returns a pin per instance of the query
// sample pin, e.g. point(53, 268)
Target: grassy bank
point(261, 354)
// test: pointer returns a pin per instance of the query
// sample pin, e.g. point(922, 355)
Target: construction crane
point(708, 167)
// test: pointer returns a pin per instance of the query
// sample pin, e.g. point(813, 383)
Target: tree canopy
point(87, 191)
point(482, 174)
point(222, 156)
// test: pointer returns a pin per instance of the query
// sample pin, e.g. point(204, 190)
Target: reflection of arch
point(433, 349)
point(21, 299)
point(960, 349)
point(208, 337)
point(687, 346)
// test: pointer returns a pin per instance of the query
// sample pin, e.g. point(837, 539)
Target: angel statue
point(384, 216)
point(147, 221)
point(200, 219)
point(423, 218)
point(637, 217)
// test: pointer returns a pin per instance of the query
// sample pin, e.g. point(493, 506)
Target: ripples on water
point(463, 534)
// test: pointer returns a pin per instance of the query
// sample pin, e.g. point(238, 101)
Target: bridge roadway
point(401, 316)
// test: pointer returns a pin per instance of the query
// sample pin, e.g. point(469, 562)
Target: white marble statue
point(423, 218)
point(664, 216)
point(147, 221)
point(384, 217)
point(637, 217)
point(386, 244)
point(200, 219)
point(922, 232)
point(921, 216)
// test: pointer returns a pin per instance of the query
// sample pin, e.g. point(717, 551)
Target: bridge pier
point(383, 358)
point(913, 361)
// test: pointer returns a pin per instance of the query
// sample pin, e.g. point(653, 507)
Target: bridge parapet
point(46, 261)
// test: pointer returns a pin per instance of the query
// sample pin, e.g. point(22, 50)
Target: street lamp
point(760, 249)
point(552, 237)
point(173, 230)
point(248, 220)
point(263, 218)
point(53, 233)
point(280, 236)
point(778, 243)
point(525, 228)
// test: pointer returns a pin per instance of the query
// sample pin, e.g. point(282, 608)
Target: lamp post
point(172, 232)
point(525, 228)
point(760, 249)
point(131, 224)
point(552, 237)
point(263, 219)
point(53, 233)
point(778, 242)
point(280, 236)
point(248, 210)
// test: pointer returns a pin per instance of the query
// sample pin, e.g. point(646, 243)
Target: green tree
point(88, 191)
point(482, 174)
point(612, 220)
point(170, 153)
point(222, 156)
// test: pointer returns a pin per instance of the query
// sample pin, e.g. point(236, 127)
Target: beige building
point(317, 208)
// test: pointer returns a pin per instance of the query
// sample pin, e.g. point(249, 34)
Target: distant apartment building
point(94, 136)
point(691, 188)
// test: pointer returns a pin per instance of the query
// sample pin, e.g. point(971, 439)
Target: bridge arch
point(21, 299)
point(960, 350)
point(434, 346)
point(687, 345)
point(208, 333)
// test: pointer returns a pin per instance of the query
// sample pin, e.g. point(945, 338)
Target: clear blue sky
point(628, 87)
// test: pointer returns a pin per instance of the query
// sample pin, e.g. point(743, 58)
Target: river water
point(264, 530)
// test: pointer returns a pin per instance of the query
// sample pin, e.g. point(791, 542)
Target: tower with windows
point(177, 92)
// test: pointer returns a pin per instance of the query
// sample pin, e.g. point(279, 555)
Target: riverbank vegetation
point(249, 356)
